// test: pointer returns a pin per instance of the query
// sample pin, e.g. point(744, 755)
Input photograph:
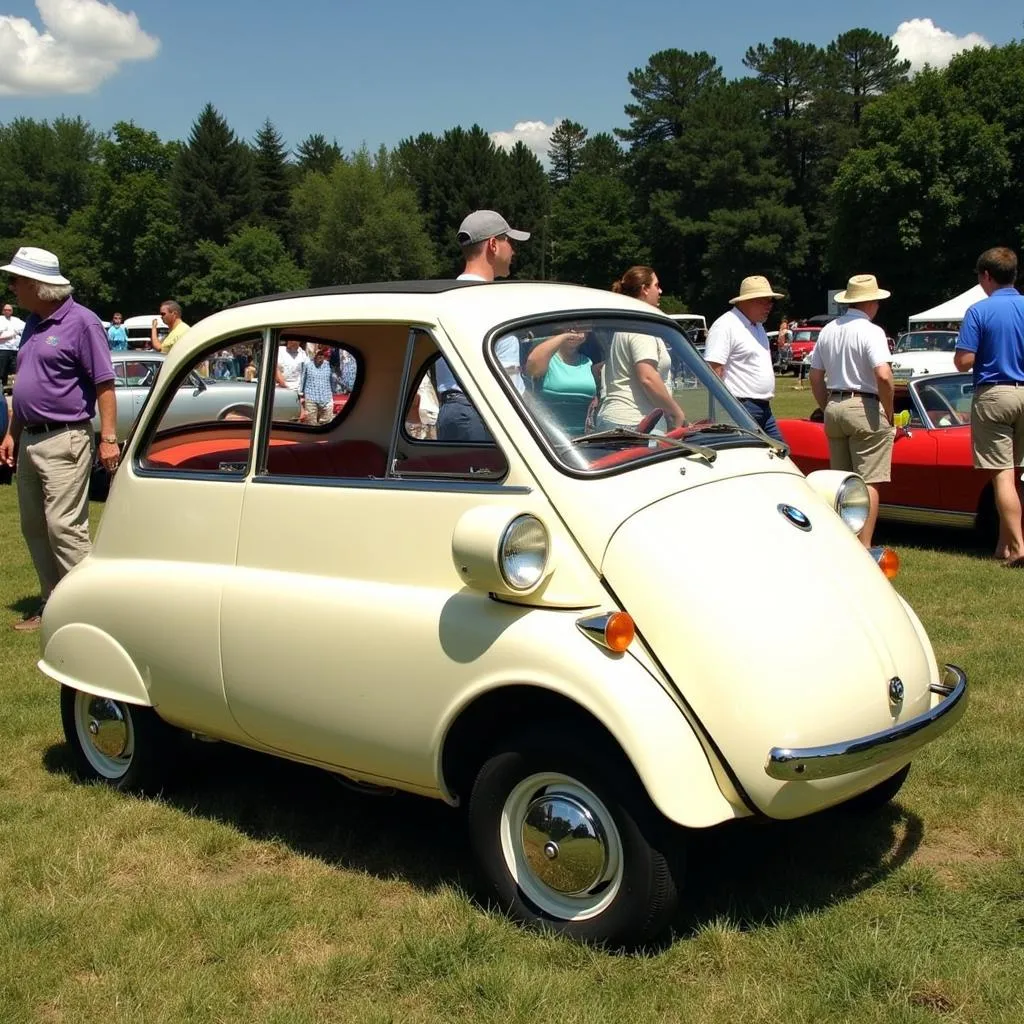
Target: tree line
point(820, 163)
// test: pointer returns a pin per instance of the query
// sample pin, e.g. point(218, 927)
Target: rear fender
point(105, 669)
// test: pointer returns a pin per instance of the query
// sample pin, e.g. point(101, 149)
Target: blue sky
point(376, 72)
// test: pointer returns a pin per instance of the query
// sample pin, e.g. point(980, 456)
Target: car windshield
point(585, 384)
point(946, 401)
point(927, 341)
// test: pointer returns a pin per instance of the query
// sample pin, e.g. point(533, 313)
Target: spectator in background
point(991, 344)
point(638, 365)
point(316, 397)
point(486, 240)
point(117, 336)
point(291, 357)
point(10, 338)
point(564, 378)
point(170, 313)
point(851, 380)
point(64, 375)
point(738, 351)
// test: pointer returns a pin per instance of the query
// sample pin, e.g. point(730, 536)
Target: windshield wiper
point(732, 428)
point(626, 434)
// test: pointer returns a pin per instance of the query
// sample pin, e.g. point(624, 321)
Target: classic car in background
point(510, 607)
point(199, 397)
point(801, 341)
point(933, 477)
point(918, 353)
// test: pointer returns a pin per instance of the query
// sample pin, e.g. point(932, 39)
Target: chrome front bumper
point(802, 764)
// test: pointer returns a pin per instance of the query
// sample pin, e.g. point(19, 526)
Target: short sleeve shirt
point(993, 329)
point(61, 360)
point(742, 348)
point(848, 349)
point(291, 365)
point(625, 400)
point(174, 336)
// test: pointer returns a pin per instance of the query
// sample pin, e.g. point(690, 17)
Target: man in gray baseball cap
point(486, 241)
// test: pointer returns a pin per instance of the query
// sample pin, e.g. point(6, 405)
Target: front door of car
point(346, 629)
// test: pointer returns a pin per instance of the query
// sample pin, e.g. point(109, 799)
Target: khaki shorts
point(860, 438)
point(997, 426)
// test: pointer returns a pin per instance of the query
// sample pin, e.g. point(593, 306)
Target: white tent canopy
point(951, 309)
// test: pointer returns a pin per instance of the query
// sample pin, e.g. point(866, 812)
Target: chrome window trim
point(395, 483)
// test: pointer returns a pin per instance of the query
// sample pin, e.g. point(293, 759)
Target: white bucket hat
point(756, 287)
point(862, 288)
point(37, 264)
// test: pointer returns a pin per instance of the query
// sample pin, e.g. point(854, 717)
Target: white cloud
point(84, 42)
point(535, 135)
point(922, 42)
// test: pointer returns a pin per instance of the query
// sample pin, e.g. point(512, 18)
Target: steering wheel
point(650, 421)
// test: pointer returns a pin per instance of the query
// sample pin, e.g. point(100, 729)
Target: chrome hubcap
point(106, 734)
point(563, 844)
point(107, 727)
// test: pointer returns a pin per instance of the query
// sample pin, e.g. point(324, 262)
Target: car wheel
point(237, 412)
point(123, 745)
point(565, 844)
point(877, 797)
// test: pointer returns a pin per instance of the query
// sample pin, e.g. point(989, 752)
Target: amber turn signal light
point(888, 561)
point(619, 631)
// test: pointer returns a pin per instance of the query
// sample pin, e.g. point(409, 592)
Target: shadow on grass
point(747, 874)
point(933, 538)
point(753, 875)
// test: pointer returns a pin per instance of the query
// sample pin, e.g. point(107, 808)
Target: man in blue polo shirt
point(991, 343)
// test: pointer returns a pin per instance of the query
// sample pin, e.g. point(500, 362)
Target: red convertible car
point(933, 479)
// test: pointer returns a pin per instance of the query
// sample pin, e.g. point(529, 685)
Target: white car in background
point(918, 353)
point(138, 329)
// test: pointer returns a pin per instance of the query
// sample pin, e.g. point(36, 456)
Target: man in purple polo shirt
point(64, 373)
point(991, 343)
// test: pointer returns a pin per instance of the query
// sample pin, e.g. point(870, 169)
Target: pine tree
point(315, 153)
point(270, 164)
point(213, 186)
point(565, 150)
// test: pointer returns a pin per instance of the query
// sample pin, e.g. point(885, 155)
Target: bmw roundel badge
point(795, 516)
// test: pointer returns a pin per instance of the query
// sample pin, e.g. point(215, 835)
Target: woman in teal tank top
point(564, 378)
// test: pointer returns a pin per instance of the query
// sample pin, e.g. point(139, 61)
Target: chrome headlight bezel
point(523, 553)
point(853, 502)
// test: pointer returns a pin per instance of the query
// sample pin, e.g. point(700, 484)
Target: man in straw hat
point(991, 343)
point(64, 372)
point(852, 383)
point(738, 350)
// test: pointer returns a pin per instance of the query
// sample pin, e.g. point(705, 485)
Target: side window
point(315, 378)
point(205, 424)
point(444, 435)
point(119, 374)
point(140, 373)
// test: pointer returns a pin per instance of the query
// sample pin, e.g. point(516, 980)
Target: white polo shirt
point(848, 349)
point(742, 347)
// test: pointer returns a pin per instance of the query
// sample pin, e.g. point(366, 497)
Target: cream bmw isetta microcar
point(562, 629)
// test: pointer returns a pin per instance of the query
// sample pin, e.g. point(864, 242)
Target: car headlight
point(523, 552)
point(852, 502)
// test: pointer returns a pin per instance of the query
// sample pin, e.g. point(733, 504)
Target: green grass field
point(261, 891)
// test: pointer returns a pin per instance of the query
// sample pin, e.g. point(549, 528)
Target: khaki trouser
point(53, 471)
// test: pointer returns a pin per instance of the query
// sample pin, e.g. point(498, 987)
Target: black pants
point(458, 420)
point(8, 363)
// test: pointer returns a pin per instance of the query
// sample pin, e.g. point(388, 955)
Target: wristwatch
point(108, 439)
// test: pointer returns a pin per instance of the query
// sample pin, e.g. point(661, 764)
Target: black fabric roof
point(375, 288)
